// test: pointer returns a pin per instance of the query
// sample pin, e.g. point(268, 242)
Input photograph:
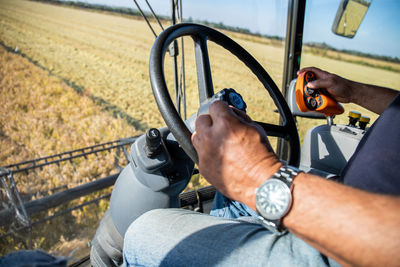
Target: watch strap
point(286, 174)
point(274, 226)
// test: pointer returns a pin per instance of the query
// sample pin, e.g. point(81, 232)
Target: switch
point(354, 116)
point(364, 120)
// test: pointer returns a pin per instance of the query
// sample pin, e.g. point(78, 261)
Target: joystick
point(309, 99)
point(153, 142)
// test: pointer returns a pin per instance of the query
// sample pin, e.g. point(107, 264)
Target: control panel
point(355, 116)
point(309, 99)
point(328, 148)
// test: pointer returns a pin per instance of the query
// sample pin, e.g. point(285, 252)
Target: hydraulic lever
point(309, 99)
point(229, 96)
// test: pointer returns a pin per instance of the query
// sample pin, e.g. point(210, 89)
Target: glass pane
point(75, 77)
point(372, 56)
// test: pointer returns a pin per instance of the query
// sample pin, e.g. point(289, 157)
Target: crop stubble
point(108, 55)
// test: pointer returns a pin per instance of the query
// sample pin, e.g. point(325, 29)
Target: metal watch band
point(286, 174)
point(273, 226)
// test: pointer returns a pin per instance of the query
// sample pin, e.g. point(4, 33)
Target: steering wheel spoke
point(204, 78)
point(274, 130)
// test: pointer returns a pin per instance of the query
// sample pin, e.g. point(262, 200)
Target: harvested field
point(106, 58)
point(37, 120)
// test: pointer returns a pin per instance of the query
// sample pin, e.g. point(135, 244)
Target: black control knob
point(236, 100)
point(309, 76)
point(309, 91)
point(233, 98)
point(153, 142)
point(312, 103)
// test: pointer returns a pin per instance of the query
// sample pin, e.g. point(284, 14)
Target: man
point(329, 223)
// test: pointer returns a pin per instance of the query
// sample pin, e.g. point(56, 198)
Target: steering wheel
point(201, 34)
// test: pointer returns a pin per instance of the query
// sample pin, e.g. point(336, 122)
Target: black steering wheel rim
point(201, 34)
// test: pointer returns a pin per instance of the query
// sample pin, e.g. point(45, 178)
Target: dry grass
point(41, 115)
point(107, 57)
point(38, 119)
point(341, 56)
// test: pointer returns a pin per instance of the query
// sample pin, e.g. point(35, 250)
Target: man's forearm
point(349, 225)
point(372, 97)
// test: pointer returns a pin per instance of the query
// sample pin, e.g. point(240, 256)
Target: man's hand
point(372, 97)
point(234, 153)
point(338, 87)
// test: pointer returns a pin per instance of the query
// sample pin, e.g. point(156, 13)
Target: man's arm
point(371, 97)
point(352, 226)
point(349, 225)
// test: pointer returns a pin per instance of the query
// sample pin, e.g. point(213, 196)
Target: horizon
point(378, 33)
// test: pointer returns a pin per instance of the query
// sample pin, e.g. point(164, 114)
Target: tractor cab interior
point(308, 128)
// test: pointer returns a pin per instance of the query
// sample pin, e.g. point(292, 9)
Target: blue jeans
point(178, 237)
point(25, 258)
point(226, 208)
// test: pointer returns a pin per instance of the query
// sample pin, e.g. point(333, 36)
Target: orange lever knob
point(309, 99)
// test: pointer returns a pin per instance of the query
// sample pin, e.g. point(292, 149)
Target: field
point(106, 57)
point(70, 78)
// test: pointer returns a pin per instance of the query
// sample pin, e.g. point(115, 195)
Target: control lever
point(229, 96)
point(309, 99)
point(153, 142)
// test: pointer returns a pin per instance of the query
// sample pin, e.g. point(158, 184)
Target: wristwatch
point(274, 198)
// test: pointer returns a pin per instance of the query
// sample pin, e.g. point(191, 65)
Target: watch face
point(273, 199)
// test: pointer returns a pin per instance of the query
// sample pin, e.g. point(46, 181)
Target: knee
point(143, 238)
point(152, 222)
point(138, 238)
point(142, 224)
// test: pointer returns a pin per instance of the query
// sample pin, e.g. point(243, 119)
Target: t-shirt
point(375, 165)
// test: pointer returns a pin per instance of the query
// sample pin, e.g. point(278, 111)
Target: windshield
point(259, 27)
point(75, 74)
point(372, 56)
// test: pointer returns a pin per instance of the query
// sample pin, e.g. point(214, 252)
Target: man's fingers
point(203, 125)
point(195, 140)
point(313, 69)
point(320, 83)
point(203, 121)
point(320, 74)
point(220, 109)
point(241, 114)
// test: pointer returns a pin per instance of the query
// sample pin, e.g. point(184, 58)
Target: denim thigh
point(177, 237)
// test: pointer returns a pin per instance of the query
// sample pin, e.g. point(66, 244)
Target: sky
point(379, 32)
